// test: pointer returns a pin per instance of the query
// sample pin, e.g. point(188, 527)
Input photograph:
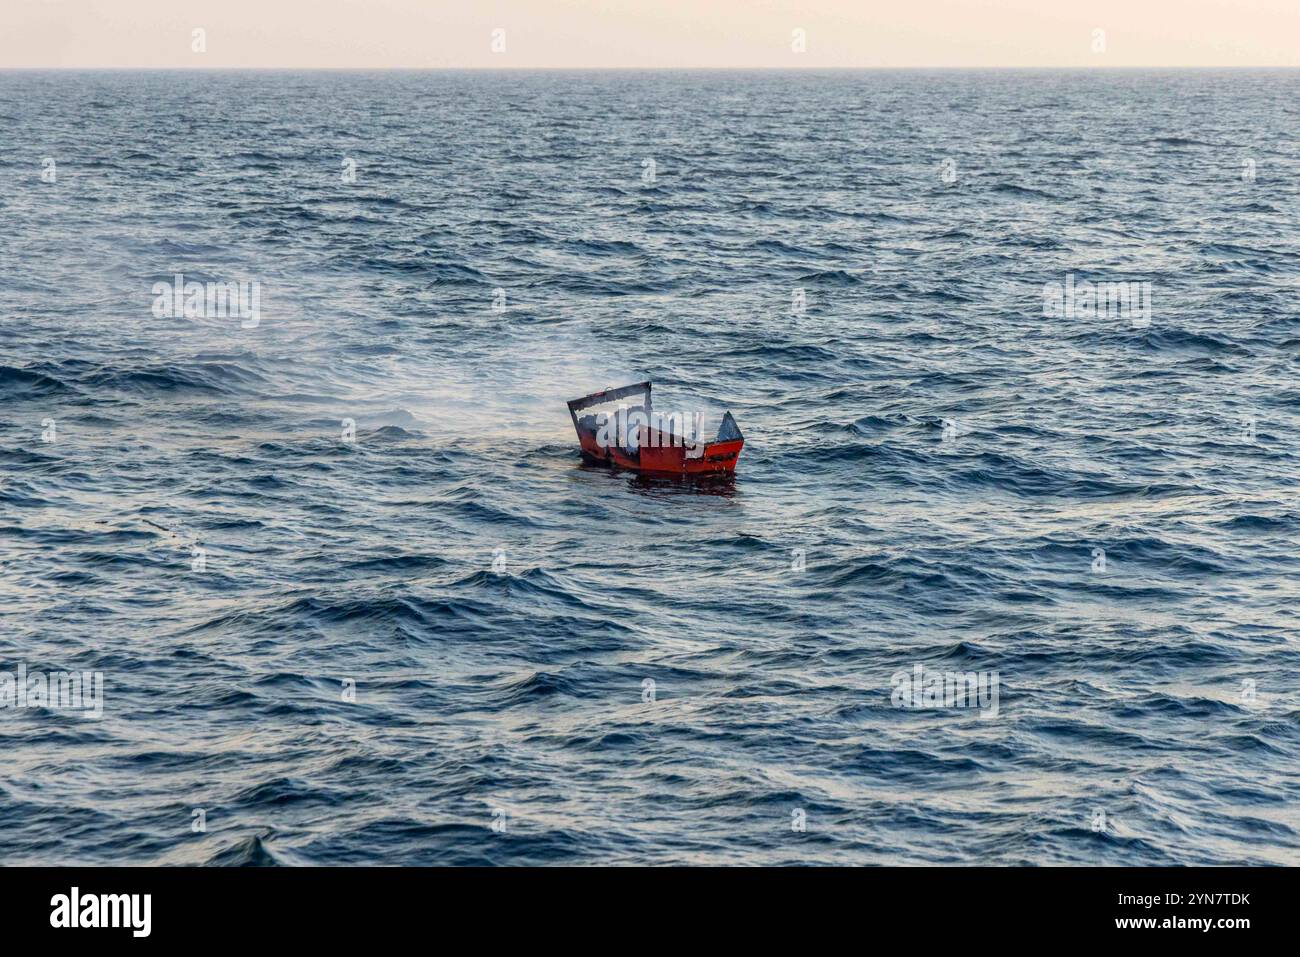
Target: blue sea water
point(1101, 512)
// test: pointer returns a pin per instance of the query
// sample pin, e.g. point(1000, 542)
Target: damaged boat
point(628, 433)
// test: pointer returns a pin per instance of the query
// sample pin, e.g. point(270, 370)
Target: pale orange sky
point(648, 33)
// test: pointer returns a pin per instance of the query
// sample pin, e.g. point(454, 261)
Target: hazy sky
point(648, 33)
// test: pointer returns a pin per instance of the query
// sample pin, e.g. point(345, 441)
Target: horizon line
point(643, 69)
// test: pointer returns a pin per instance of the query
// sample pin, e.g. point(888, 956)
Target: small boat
point(628, 433)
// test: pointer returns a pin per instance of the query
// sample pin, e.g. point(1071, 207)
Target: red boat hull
point(717, 458)
point(655, 452)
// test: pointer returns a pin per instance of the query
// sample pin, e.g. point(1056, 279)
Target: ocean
point(1015, 356)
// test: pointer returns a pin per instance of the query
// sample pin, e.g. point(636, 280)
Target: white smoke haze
point(513, 396)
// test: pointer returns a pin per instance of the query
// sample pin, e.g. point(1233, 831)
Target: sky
point(647, 33)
